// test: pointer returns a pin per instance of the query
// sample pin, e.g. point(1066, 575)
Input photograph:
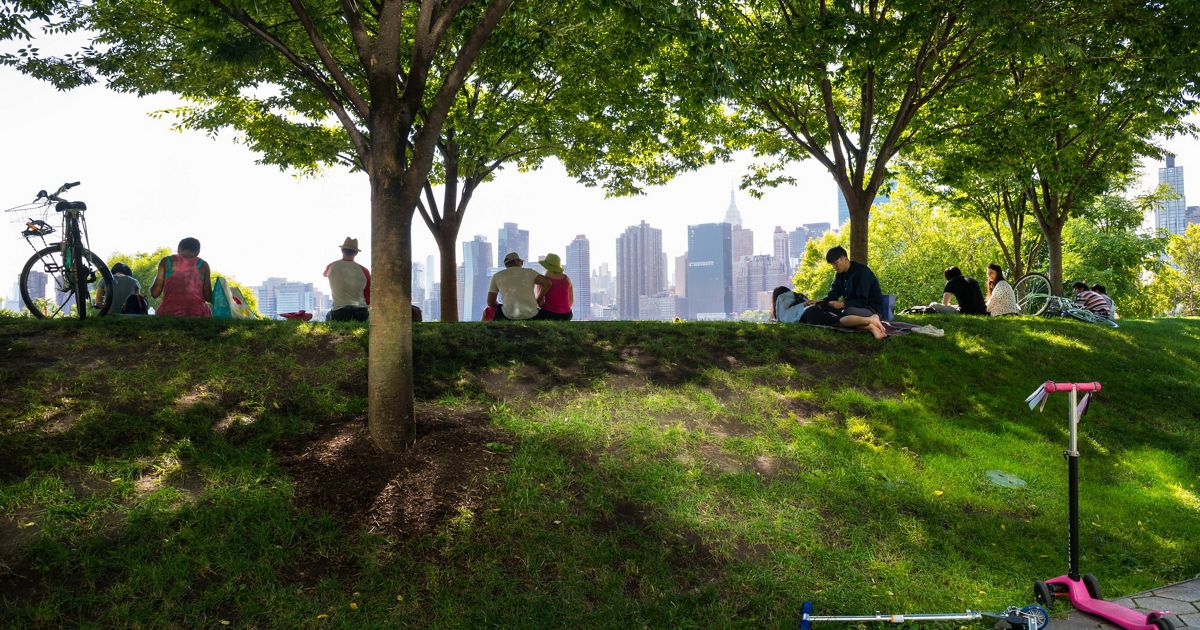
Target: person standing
point(516, 284)
point(184, 283)
point(561, 297)
point(1001, 298)
point(350, 284)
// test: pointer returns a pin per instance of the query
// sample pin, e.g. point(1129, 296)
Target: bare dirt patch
point(339, 471)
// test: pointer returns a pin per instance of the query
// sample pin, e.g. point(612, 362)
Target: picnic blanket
point(893, 329)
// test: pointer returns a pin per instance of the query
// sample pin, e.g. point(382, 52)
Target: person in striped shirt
point(1088, 299)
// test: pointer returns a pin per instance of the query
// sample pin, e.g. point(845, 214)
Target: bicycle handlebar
point(1052, 387)
point(54, 196)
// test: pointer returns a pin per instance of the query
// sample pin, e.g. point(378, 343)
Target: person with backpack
point(127, 293)
point(184, 283)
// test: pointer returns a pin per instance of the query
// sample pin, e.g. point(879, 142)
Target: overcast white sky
point(147, 186)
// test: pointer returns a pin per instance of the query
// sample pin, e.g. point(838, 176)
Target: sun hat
point(351, 243)
point(512, 257)
point(552, 263)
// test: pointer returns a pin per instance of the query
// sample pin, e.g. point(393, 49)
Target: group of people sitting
point(529, 295)
point(183, 281)
point(855, 299)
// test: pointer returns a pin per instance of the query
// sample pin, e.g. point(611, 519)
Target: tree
point(387, 71)
point(917, 240)
point(1073, 117)
point(536, 92)
point(1105, 247)
point(854, 83)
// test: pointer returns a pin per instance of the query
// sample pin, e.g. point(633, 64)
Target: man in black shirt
point(965, 290)
point(855, 289)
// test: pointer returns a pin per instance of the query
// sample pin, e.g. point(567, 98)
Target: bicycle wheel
point(1033, 293)
point(47, 290)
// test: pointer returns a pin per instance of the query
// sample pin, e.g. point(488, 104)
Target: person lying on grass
point(790, 307)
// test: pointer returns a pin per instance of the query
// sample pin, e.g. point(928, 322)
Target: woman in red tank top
point(560, 297)
point(183, 282)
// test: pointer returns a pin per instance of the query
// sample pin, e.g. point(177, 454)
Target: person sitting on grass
point(516, 284)
point(963, 289)
point(350, 285)
point(561, 297)
point(124, 287)
point(183, 282)
point(1089, 300)
point(1112, 306)
point(855, 289)
point(1001, 298)
point(791, 307)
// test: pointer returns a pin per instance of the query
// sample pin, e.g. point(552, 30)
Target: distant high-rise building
point(477, 266)
point(418, 278)
point(578, 267)
point(1171, 214)
point(513, 239)
point(639, 267)
point(433, 305)
point(754, 275)
point(659, 307)
point(432, 274)
point(843, 209)
point(38, 281)
point(681, 276)
point(710, 271)
point(743, 242)
point(1193, 214)
point(603, 288)
point(280, 295)
point(816, 230)
point(460, 286)
point(782, 250)
point(797, 239)
point(732, 216)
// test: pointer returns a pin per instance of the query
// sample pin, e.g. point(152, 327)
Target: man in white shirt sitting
point(516, 283)
point(350, 284)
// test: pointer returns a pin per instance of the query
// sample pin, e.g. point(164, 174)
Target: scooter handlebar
point(1052, 387)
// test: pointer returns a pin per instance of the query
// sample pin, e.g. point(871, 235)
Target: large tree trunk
point(860, 215)
point(389, 361)
point(447, 241)
point(1053, 233)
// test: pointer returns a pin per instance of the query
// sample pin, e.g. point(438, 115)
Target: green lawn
point(164, 474)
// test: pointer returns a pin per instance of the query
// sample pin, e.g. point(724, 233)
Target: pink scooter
point(1084, 593)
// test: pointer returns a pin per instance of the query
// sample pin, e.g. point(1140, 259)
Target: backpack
point(135, 304)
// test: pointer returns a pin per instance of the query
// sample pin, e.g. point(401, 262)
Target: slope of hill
point(589, 474)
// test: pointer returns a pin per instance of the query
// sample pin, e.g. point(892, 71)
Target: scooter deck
point(1127, 618)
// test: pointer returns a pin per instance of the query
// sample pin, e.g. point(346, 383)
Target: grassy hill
point(158, 473)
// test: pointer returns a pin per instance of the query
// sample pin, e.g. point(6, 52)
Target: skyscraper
point(884, 195)
point(38, 281)
point(843, 209)
point(732, 216)
point(743, 239)
point(681, 276)
point(433, 306)
point(816, 230)
point(512, 239)
point(578, 267)
point(1171, 214)
point(710, 271)
point(280, 295)
point(639, 267)
point(755, 275)
point(782, 244)
point(477, 263)
point(1193, 214)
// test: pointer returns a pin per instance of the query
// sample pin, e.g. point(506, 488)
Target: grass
point(656, 475)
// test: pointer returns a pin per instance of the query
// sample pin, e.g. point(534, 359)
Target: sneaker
point(930, 330)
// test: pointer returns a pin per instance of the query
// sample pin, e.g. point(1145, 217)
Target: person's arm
point(156, 289)
point(492, 299)
point(947, 298)
point(206, 281)
point(837, 288)
point(367, 289)
point(543, 285)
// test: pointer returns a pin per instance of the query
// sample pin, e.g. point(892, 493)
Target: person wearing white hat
point(350, 284)
point(516, 284)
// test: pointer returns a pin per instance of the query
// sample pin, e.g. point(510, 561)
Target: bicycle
point(1034, 297)
point(76, 271)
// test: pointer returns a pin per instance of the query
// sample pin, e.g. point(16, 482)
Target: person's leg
point(360, 313)
point(858, 311)
point(498, 316)
point(944, 309)
point(871, 323)
point(337, 315)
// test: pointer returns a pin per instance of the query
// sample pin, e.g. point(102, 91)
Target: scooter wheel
point(1092, 585)
point(1041, 616)
point(1162, 623)
point(1041, 593)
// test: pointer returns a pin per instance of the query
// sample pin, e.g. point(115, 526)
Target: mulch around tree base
point(337, 470)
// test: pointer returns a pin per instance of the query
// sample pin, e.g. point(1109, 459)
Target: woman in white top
point(1001, 299)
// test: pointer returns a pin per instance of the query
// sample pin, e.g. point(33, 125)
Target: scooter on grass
point(1084, 591)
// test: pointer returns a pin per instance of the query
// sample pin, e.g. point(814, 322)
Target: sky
point(147, 186)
